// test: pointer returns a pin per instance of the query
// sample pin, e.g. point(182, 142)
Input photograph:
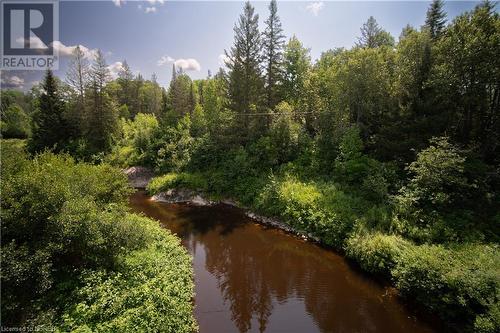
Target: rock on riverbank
point(139, 177)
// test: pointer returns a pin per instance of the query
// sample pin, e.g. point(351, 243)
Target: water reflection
point(249, 278)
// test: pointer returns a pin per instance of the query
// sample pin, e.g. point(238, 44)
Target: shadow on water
point(250, 278)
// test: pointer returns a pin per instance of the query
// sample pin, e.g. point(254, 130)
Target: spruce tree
point(49, 123)
point(245, 80)
point(372, 35)
point(126, 82)
point(102, 116)
point(436, 19)
point(77, 77)
point(273, 43)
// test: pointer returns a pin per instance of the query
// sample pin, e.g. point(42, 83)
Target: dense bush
point(439, 203)
point(376, 253)
point(177, 180)
point(15, 123)
point(150, 290)
point(61, 218)
point(133, 147)
point(460, 284)
point(316, 208)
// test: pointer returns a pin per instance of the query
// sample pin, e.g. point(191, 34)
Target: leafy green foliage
point(461, 284)
point(177, 180)
point(376, 253)
point(134, 145)
point(69, 244)
point(15, 123)
point(320, 209)
point(151, 290)
point(374, 36)
point(435, 201)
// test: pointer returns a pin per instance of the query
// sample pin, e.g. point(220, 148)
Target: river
point(251, 278)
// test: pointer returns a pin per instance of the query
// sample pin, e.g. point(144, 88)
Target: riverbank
point(459, 282)
point(140, 177)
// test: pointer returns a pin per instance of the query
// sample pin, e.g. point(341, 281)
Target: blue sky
point(153, 34)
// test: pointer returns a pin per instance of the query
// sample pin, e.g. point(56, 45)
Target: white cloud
point(223, 59)
point(188, 64)
point(66, 51)
point(315, 7)
point(153, 8)
point(63, 50)
point(12, 82)
point(118, 3)
point(165, 60)
point(115, 68)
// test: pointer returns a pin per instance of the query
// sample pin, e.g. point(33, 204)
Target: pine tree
point(126, 82)
point(174, 73)
point(49, 123)
point(77, 77)
point(179, 93)
point(273, 43)
point(436, 19)
point(372, 35)
point(77, 73)
point(245, 81)
point(192, 99)
point(102, 115)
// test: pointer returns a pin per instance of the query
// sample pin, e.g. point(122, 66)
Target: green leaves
point(61, 218)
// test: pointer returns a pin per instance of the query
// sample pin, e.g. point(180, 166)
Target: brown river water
point(251, 278)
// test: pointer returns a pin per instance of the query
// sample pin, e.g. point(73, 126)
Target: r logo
point(29, 28)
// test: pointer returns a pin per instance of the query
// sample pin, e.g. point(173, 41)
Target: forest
point(388, 152)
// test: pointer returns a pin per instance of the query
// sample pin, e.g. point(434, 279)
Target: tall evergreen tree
point(179, 94)
point(245, 80)
point(372, 35)
point(273, 43)
point(77, 73)
point(102, 116)
point(126, 82)
point(77, 77)
point(49, 123)
point(436, 18)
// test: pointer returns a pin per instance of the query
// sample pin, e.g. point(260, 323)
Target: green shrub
point(15, 123)
point(150, 291)
point(461, 284)
point(61, 218)
point(133, 147)
point(376, 253)
point(177, 180)
point(320, 209)
point(435, 204)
